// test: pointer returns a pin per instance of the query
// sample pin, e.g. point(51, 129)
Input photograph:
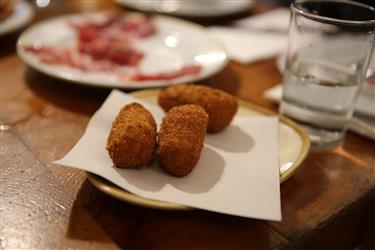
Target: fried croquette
point(219, 105)
point(181, 138)
point(132, 140)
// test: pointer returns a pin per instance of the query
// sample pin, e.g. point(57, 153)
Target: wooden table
point(328, 204)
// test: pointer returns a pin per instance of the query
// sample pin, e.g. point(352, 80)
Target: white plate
point(176, 44)
point(205, 8)
point(22, 14)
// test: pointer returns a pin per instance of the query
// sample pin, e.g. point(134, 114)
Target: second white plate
point(204, 8)
point(22, 14)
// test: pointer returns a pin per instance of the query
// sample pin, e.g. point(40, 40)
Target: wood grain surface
point(328, 204)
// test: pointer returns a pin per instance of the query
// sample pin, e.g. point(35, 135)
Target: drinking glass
point(330, 46)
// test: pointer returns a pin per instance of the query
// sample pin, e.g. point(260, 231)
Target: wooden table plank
point(18, 165)
point(329, 185)
point(48, 128)
point(135, 227)
point(35, 210)
point(57, 231)
point(326, 199)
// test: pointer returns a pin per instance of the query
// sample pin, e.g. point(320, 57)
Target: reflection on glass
point(42, 3)
point(168, 5)
point(209, 58)
point(286, 166)
point(171, 41)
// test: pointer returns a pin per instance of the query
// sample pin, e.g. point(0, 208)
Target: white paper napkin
point(274, 20)
point(237, 173)
point(246, 46)
point(257, 37)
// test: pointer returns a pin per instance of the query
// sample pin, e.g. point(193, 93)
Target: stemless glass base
point(324, 139)
point(321, 137)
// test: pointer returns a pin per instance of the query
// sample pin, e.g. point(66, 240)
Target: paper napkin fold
point(237, 174)
point(256, 37)
point(275, 20)
point(248, 46)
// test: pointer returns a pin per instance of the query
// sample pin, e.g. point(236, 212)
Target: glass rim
point(294, 7)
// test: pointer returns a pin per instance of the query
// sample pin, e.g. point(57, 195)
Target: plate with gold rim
point(294, 146)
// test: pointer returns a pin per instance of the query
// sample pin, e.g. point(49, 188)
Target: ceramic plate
point(190, 8)
point(176, 45)
point(293, 147)
point(22, 14)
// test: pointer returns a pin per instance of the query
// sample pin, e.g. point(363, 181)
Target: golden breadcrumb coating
point(219, 105)
point(132, 140)
point(181, 138)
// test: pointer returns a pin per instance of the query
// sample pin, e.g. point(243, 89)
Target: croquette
point(181, 138)
point(219, 105)
point(132, 139)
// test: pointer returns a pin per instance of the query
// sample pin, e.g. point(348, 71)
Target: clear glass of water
point(330, 46)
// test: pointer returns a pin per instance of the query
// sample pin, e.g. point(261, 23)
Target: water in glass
point(320, 96)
